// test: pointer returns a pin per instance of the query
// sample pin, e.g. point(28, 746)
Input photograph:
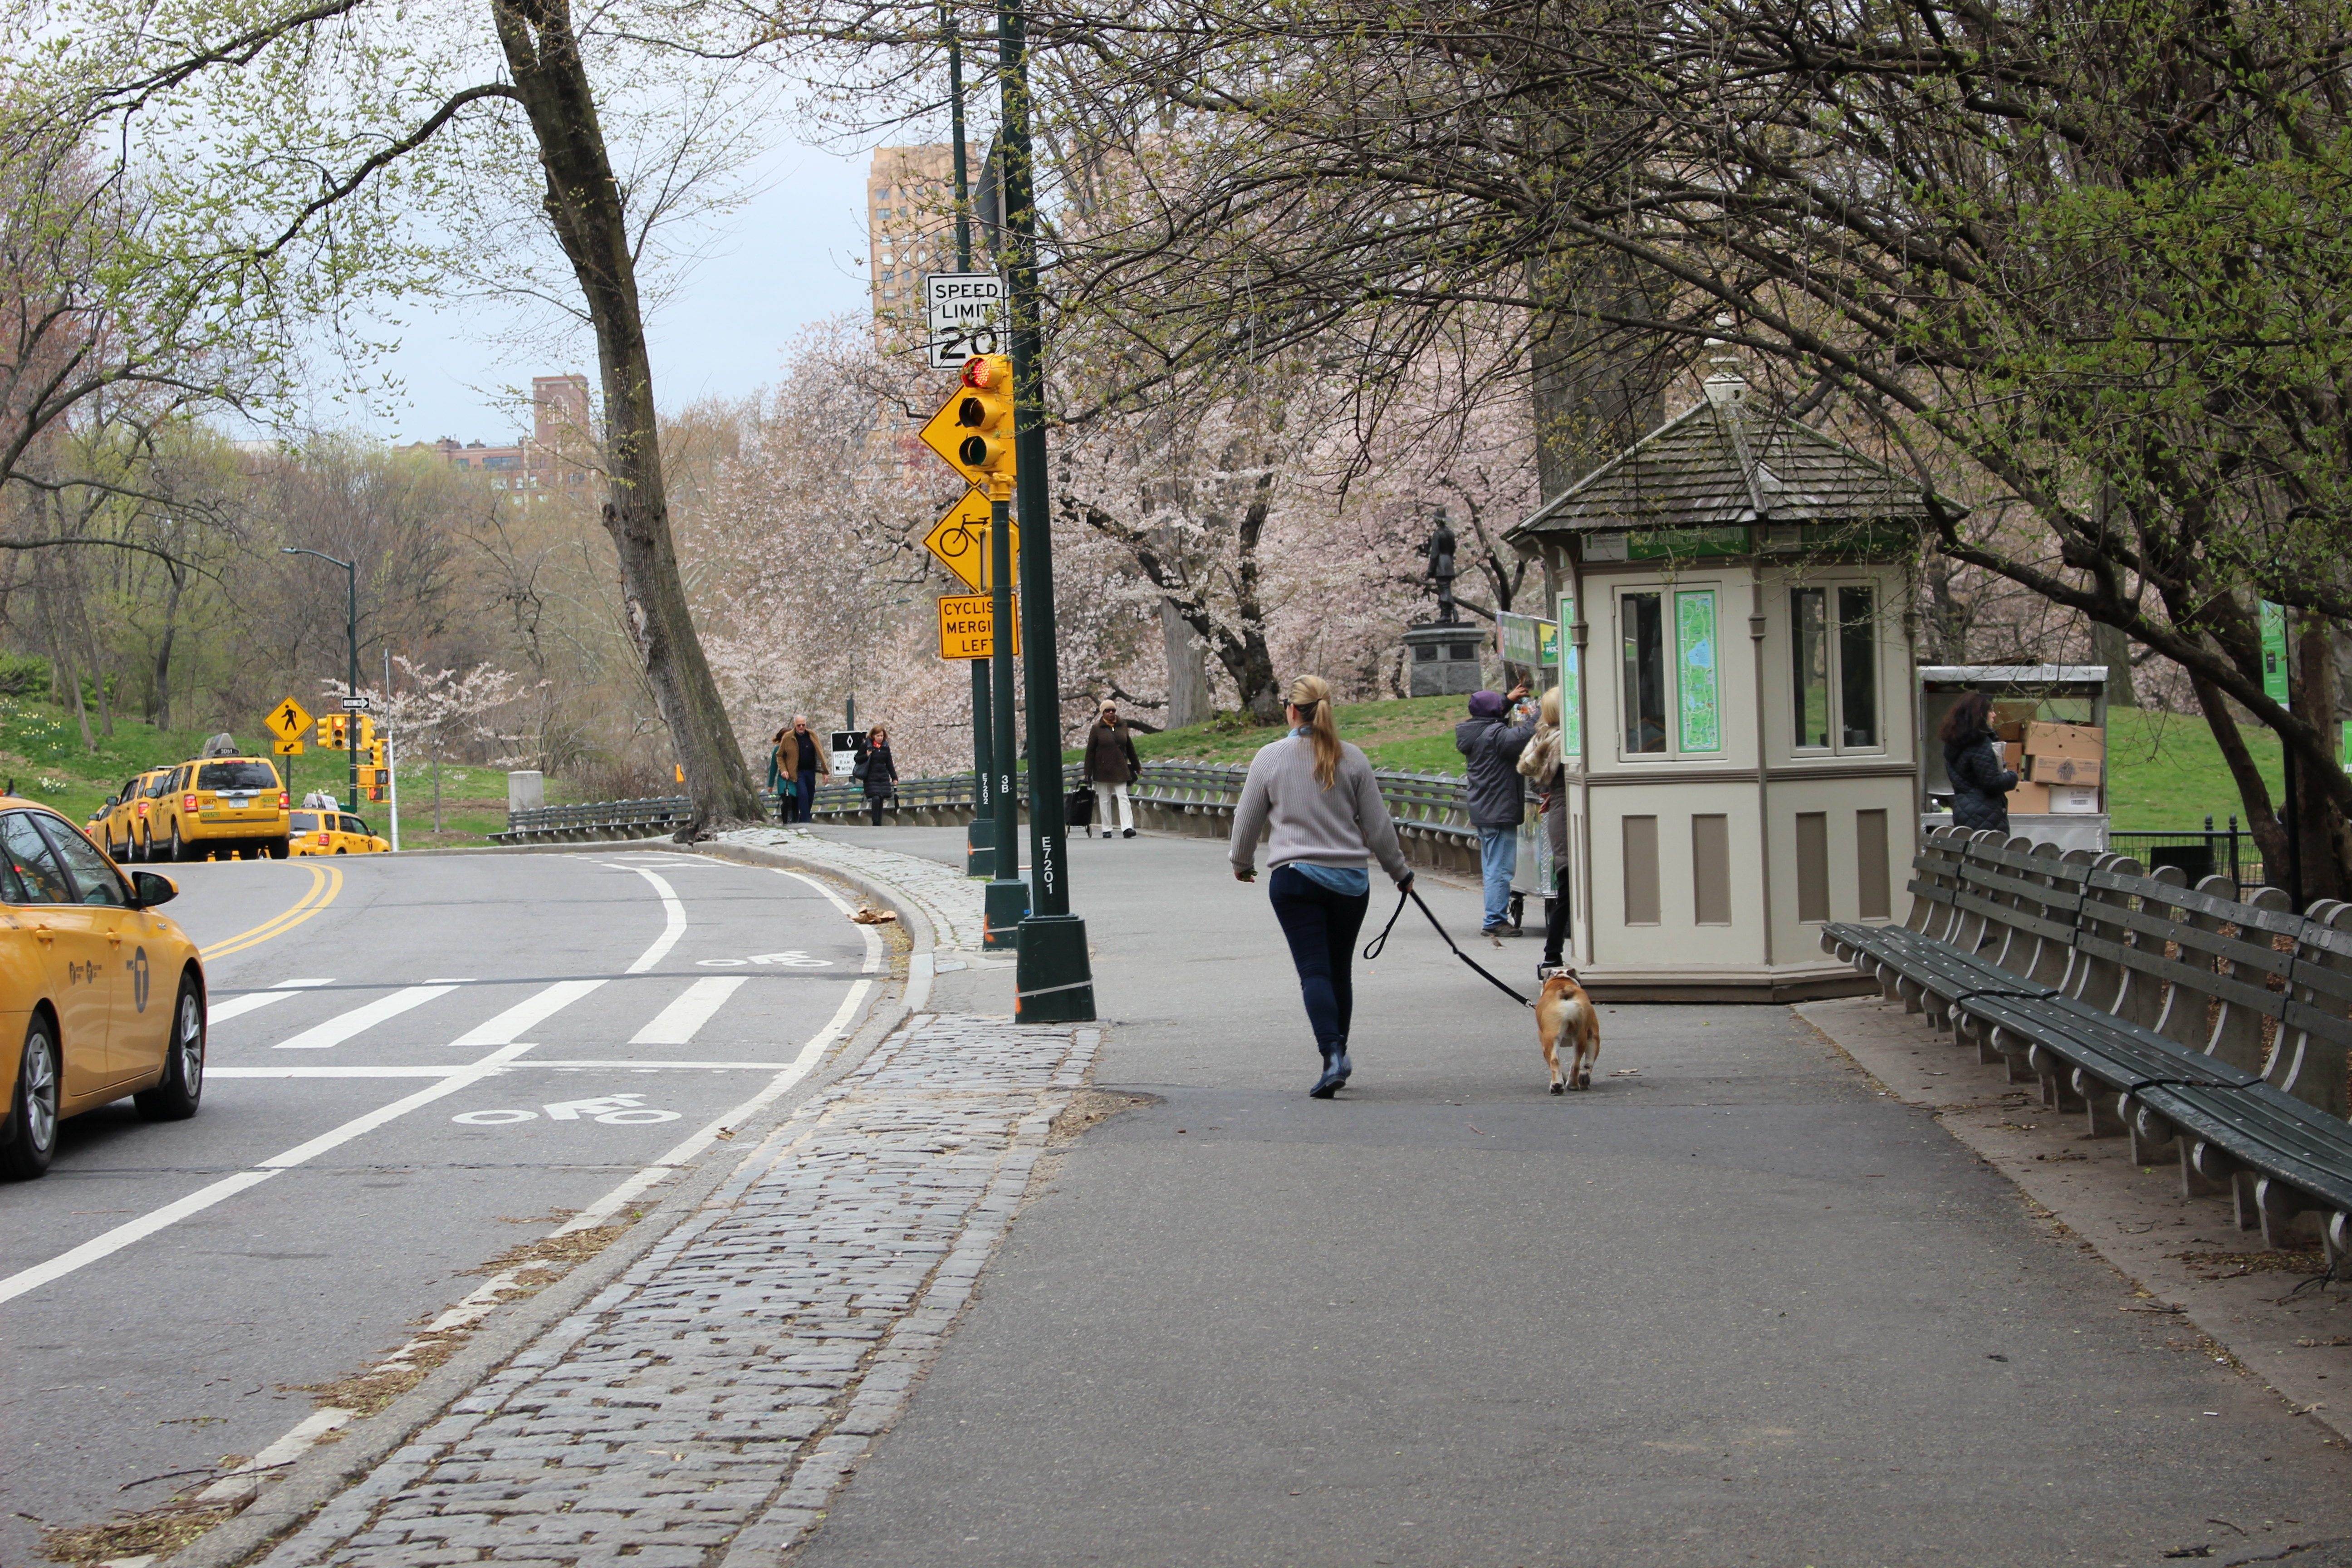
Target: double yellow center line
point(325, 883)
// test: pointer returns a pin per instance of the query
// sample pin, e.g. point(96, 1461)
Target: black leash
point(1372, 948)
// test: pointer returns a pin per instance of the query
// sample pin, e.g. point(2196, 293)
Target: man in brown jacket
point(801, 757)
point(1111, 766)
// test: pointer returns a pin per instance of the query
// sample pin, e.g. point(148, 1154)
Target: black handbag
point(1078, 810)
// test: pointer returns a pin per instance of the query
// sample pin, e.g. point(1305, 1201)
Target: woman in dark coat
point(1111, 766)
point(1980, 786)
point(877, 772)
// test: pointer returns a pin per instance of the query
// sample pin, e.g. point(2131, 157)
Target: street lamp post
point(352, 640)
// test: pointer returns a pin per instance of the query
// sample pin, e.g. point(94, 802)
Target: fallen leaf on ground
point(868, 917)
point(1626, 1072)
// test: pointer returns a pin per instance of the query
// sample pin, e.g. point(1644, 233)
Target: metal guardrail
point(1426, 805)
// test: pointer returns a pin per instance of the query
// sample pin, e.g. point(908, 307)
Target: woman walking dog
point(1317, 794)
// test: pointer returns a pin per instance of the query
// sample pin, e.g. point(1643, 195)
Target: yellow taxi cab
point(118, 828)
point(99, 996)
point(234, 807)
point(334, 833)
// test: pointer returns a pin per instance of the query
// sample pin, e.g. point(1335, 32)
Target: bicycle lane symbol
point(611, 1110)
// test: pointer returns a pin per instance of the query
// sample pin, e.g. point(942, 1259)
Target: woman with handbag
point(1112, 765)
point(877, 772)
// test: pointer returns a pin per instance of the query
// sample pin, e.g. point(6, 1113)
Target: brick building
point(558, 458)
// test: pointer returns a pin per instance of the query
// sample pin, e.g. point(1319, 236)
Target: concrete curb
point(328, 1469)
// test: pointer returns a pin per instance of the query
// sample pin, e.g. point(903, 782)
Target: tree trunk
point(2111, 648)
point(1189, 697)
point(584, 207)
point(162, 715)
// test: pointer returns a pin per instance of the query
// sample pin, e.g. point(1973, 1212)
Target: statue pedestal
point(1444, 659)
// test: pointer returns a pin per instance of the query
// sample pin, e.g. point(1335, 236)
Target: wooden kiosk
point(1738, 606)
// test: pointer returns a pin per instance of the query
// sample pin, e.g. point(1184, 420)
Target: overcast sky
point(791, 257)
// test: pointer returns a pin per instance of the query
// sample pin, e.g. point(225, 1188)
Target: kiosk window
point(1857, 668)
point(1834, 644)
point(1642, 624)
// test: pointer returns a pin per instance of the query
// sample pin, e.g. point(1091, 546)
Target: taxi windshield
point(305, 821)
point(236, 775)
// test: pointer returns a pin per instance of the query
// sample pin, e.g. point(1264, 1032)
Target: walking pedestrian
point(1544, 763)
point(877, 772)
point(809, 760)
point(1111, 766)
point(1317, 796)
point(782, 778)
point(1497, 794)
point(1980, 785)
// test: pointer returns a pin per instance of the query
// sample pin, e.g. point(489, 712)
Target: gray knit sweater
point(1342, 826)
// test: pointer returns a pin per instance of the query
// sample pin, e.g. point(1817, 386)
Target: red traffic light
point(979, 370)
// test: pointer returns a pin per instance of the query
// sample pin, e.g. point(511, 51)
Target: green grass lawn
point(2164, 772)
point(41, 749)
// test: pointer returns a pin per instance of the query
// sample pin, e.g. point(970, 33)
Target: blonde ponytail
point(1311, 695)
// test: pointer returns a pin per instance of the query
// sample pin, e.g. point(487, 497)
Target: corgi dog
point(1563, 1009)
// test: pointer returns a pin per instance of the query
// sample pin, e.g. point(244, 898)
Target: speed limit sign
point(965, 316)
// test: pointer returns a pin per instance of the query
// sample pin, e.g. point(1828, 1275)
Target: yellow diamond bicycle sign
point(960, 540)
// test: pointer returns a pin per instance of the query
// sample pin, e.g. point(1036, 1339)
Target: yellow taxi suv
point(334, 833)
point(99, 996)
point(119, 829)
point(234, 807)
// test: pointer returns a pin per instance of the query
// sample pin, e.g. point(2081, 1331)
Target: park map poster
point(1699, 702)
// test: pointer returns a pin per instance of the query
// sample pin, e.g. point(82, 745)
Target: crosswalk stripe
point(238, 1007)
point(531, 1010)
point(676, 1024)
point(343, 1025)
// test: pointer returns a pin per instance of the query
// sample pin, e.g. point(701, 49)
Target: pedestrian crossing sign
point(287, 722)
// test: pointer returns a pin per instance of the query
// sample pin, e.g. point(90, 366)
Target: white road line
point(528, 1013)
point(238, 1007)
point(676, 1024)
point(391, 1071)
point(873, 937)
point(248, 1476)
point(343, 1025)
point(670, 932)
point(531, 1010)
point(603, 1208)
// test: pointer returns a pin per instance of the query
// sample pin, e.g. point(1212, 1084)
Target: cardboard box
point(2015, 711)
point(2011, 732)
point(2085, 741)
point(2029, 800)
point(2073, 800)
point(2064, 770)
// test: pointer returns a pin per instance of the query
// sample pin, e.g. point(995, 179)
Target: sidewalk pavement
point(1736, 1305)
point(1744, 1306)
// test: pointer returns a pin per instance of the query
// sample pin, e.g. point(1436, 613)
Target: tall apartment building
point(558, 459)
point(910, 222)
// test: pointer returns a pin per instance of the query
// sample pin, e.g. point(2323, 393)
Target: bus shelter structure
point(1736, 594)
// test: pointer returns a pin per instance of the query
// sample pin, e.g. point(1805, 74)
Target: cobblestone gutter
point(703, 1407)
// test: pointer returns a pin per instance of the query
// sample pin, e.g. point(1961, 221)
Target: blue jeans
point(1320, 926)
point(1498, 858)
point(806, 793)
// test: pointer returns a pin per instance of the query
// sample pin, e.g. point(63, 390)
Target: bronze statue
point(1439, 551)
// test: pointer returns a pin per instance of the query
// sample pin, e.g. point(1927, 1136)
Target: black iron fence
point(2214, 851)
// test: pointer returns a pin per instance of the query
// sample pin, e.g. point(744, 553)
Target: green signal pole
point(1005, 899)
point(1053, 976)
point(980, 837)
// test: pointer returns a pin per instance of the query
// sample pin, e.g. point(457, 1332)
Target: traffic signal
point(374, 750)
point(334, 731)
point(367, 733)
point(985, 413)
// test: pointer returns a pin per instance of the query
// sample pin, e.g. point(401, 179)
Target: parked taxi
point(119, 827)
point(234, 807)
point(99, 996)
point(334, 833)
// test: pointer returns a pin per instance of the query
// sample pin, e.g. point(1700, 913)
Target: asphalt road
point(1740, 1308)
point(415, 1064)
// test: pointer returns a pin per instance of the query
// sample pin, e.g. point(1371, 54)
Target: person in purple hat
point(1497, 794)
